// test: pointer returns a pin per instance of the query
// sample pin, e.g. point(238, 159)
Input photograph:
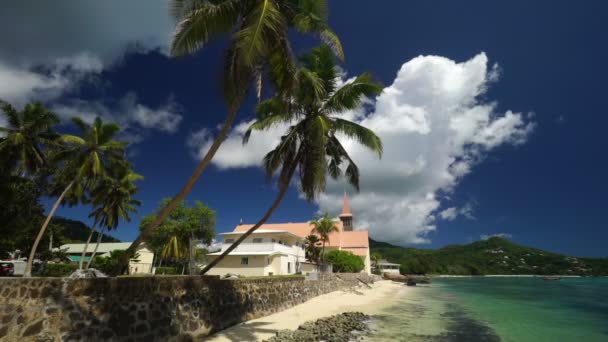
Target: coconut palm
point(27, 133)
point(324, 226)
point(85, 159)
point(311, 145)
point(113, 201)
point(313, 251)
point(259, 45)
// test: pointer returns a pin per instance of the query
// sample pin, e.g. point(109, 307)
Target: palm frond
point(203, 22)
point(262, 27)
point(330, 38)
point(362, 135)
point(72, 139)
point(350, 96)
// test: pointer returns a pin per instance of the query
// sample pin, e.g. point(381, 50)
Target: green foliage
point(345, 262)
point(312, 108)
point(74, 231)
point(323, 226)
point(105, 264)
point(492, 256)
point(184, 222)
point(56, 270)
point(168, 270)
point(313, 251)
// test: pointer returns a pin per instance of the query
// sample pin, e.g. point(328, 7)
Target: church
point(278, 248)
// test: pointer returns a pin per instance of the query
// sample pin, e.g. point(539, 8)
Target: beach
point(362, 299)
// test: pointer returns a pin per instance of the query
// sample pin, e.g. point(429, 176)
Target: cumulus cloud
point(44, 57)
point(500, 235)
point(127, 112)
point(435, 129)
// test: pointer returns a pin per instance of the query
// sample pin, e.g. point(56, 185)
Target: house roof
point(263, 231)
point(357, 238)
point(384, 262)
point(346, 208)
point(105, 247)
point(269, 253)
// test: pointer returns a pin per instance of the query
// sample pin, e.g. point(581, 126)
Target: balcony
point(268, 247)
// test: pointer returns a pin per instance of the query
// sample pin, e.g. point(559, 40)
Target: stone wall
point(177, 308)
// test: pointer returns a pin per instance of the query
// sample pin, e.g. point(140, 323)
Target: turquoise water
point(498, 309)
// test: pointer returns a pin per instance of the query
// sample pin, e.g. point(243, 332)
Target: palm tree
point(259, 44)
point(29, 130)
point(311, 145)
point(375, 258)
point(113, 201)
point(312, 249)
point(85, 159)
point(324, 226)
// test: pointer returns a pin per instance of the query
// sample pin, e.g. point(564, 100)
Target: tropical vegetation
point(76, 169)
point(259, 49)
point(323, 226)
point(176, 238)
point(492, 256)
point(344, 262)
point(311, 146)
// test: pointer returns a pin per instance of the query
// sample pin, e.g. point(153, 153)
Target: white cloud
point(449, 214)
point(500, 235)
point(128, 112)
point(45, 56)
point(435, 129)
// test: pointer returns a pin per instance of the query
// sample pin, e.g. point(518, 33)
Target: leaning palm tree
point(27, 133)
point(311, 145)
point(259, 45)
point(113, 201)
point(85, 159)
point(324, 226)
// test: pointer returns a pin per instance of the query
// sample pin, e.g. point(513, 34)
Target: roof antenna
point(241, 221)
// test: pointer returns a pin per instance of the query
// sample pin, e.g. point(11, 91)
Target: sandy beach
point(363, 299)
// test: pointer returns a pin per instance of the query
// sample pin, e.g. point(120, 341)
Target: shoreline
point(504, 276)
point(361, 299)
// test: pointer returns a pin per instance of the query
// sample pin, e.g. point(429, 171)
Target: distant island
point(492, 256)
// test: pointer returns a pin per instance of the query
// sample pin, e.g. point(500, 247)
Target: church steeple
point(346, 216)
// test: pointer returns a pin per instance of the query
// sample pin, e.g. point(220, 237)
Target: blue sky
point(493, 114)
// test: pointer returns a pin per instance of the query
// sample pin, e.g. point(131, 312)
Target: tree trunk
point(86, 245)
point(265, 218)
point(96, 247)
point(164, 212)
point(30, 261)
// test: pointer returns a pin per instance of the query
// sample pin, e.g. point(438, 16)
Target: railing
point(247, 247)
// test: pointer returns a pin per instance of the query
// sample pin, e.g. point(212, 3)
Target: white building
point(278, 248)
point(265, 252)
point(388, 267)
point(143, 263)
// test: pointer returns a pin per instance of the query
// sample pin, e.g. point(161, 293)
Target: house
point(278, 248)
point(388, 267)
point(143, 263)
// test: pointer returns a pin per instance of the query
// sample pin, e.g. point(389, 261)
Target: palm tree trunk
point(86, 245)
point(30, 261)
point(165, 211)
point(273, 207)
point(96, 247)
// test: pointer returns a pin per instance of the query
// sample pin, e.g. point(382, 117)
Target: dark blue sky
point(549, 192)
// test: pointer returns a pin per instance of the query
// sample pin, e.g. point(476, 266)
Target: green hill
point(492, 256)
point(73, 231)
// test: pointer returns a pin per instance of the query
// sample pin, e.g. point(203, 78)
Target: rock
point(339, 328)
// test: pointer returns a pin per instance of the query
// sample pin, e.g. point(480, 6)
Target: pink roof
point(354, 239)
point(346, 207)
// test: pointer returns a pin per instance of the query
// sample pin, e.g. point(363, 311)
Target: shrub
point(56, 270)
point(345, 262)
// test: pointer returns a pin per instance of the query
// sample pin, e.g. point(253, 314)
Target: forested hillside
point(492, 256)
point(76, 231)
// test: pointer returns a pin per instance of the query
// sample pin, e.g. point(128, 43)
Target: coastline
point(504, 276)
point(362, 299)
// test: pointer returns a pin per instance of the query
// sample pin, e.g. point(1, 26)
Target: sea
point(497, 309)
